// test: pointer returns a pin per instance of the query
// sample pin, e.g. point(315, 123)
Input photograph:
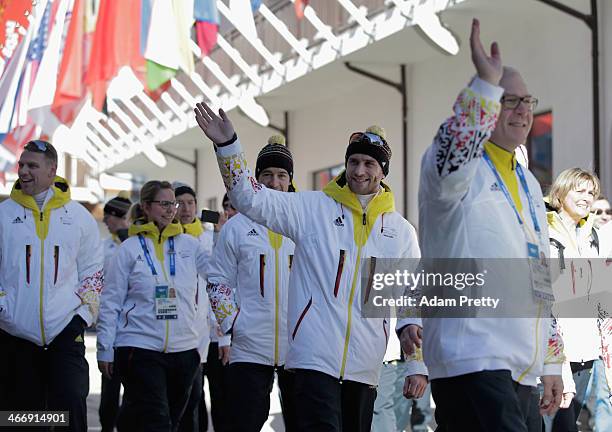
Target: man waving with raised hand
point(484, 370)
point(335, 353)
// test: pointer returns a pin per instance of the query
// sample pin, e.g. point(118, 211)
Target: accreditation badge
point(540, 273)
point(166, 303)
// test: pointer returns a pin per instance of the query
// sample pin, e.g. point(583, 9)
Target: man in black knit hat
point(335, 352)
point(252, 264)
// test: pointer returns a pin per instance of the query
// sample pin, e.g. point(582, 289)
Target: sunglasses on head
point(599, 212)
point(37, 145)
point(368, 137)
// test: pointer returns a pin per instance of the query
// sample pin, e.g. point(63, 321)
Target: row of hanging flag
point(55, 54)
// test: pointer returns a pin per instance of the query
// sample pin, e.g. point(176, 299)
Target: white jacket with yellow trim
point(465, 214)
point(248, 285)
point(583, 338)
point(332, 234)
point(127, 309)
point(50, 264)
point(203, 324)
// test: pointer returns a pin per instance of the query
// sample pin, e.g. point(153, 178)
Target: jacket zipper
point(351, 298)
point(537, 345)
point(276, 304)
point(42, 273)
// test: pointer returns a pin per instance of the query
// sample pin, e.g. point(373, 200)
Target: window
point(321, 177)
point(539, 147)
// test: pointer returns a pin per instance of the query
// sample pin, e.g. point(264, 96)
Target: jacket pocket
point(299, 321)
point(339, 272)
point(127, 315)
point(290, 261)
point(385, 330)
point(371, 269)
point(262, 272)
point(28, 259)
point(56, 252)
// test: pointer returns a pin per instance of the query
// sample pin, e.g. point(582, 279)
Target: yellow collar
point(501, 158)
point(61, 195)
point(383, 202)
point(149, 229)
point(194, 228)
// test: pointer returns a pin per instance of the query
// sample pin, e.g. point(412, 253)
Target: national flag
point(207, 24)
point(70, 92)
point(145, 23)
point(161, 54)
point(183, 14)
point(10, 80)
point(43, 89)
point(300, 6)
point(116, 43)
point(255, 5)
point(14, 24)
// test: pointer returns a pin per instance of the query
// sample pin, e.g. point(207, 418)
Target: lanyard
point(502, 186)
point(171, 253)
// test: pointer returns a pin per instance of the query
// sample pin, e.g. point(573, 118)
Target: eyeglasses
point(512, 102)
point(166, 204)
point(599, 212)
point(368, 137)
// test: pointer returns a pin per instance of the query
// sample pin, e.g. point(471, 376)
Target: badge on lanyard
point(541, 285)
point(166, 305)
point(540, 273)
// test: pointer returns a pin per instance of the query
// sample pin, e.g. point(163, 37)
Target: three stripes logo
point(339, 222)
point(17, 220)
point(252, 233)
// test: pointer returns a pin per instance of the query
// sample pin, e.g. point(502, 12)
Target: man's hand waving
point(218, 128)
point(489, 68)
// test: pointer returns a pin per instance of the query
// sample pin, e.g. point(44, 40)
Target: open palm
point(218, 128)
point(489, 67)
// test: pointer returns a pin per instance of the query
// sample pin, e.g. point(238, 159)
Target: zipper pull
point(364, 218)
point(41, 216)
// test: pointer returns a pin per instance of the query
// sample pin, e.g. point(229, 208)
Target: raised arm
point(448, 165)
point(279, 211)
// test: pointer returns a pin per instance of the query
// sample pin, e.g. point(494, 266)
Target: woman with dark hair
point(147, 329)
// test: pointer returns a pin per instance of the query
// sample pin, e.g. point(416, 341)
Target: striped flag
point(207, 24)
point(11, 78)
point(45, 81)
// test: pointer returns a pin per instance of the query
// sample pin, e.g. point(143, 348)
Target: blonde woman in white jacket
point(573, 235)
point(147, 327)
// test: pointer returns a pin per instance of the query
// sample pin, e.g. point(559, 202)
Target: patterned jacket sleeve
point(554, 359)
point(90, 263)
point(279, 211)
point(449, 164)
point(222, 277)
